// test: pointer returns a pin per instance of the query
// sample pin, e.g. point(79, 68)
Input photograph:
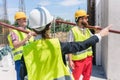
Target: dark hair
point(46, 32)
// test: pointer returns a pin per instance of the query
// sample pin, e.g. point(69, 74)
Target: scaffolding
point(22, 6)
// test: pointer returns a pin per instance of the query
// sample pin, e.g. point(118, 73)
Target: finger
point(109, 26)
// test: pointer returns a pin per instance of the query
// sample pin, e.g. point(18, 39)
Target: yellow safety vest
point(43, 59)
point(17, 53)
point(79, 36)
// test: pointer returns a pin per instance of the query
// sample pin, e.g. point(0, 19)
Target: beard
point(85, 24)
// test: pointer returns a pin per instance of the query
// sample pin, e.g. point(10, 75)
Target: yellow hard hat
point(20, 15)
point(80, 13)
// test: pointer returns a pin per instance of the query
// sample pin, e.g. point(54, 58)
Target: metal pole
point(92, 27)
point(12, 27)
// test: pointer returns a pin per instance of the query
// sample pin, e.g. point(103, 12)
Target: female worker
point(43, 57)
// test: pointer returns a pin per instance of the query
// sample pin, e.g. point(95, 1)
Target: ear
point(76, 19)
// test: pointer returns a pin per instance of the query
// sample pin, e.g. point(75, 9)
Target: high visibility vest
point(43, 59)
point(79, 36)
point(17, 53)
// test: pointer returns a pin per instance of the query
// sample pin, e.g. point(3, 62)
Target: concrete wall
point(114, 41)
point(104, 42)
point(110, 48)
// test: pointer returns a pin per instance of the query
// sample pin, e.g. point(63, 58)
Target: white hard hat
point(39, 18)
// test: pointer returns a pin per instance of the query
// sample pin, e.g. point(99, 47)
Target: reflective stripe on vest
point(77, 53)
point(43, 59)
point(18, 52)
point(64, 78)
point(79, 36)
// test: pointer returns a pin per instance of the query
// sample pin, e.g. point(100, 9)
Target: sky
point(62, 8)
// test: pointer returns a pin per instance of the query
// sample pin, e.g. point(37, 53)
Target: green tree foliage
point(56, 27)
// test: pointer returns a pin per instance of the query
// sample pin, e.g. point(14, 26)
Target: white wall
point(110, 46)
point(114, 41)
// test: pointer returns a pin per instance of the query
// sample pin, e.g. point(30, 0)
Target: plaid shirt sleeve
point(14, 37)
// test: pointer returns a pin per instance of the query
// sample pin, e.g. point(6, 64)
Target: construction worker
point(43, 57)
point(81, 64)
point(17, 40)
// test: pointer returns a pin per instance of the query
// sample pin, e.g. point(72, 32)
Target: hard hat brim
point(37, 27)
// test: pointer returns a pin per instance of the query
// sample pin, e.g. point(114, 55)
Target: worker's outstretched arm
point(73, 47)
